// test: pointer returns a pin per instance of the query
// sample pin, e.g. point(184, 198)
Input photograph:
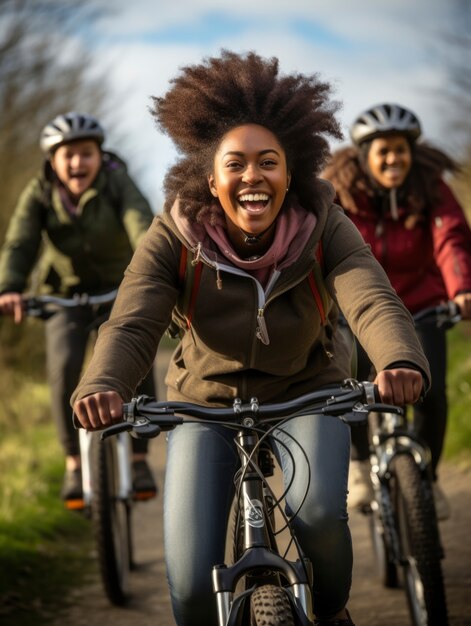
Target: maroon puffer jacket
point(428, 260)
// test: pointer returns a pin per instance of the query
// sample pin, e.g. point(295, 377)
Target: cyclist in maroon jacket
point(391, 186)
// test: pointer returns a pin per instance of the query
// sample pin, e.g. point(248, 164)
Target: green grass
point(44, 549)
point(458, 439)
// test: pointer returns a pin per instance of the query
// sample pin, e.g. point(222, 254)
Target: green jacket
point(222, 357)
point(87, 253)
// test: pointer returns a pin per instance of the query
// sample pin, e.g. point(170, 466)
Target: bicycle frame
point(260, 553)
point(267, 573)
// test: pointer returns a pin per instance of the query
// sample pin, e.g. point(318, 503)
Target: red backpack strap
point(182, 267)
point(189, 276)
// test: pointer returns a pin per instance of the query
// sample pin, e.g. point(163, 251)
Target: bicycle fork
point(259, 552)
point(123, 451)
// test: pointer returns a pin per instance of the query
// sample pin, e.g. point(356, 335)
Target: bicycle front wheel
point(419, 543)
point(270, 606)
point(111, 519)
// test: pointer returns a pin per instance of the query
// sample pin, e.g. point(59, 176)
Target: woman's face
point(250, 178)
point(390, 160)
point(76, 164)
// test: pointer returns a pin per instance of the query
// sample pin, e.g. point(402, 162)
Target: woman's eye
point(268, 163)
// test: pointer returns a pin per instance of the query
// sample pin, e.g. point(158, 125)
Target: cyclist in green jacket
point(82, 216)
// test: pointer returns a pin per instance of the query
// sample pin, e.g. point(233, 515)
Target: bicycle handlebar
point(351, 401)
point(45, 306)
point(444, 315)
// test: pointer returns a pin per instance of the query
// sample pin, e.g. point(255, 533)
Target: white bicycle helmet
point(384, 119)
point(70, 126)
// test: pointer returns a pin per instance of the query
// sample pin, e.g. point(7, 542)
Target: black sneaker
point(71, 492)
point(143, 483)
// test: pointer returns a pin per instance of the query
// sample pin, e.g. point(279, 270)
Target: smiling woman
point(391, 186)
point(91, 215)
point(244, 203)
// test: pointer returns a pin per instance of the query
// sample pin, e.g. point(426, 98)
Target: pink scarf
point(293, 228)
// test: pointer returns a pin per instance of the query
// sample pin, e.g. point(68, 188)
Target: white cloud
point(371, 50)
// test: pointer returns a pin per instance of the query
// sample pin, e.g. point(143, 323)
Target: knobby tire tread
point(419, 537)
point(270, 606)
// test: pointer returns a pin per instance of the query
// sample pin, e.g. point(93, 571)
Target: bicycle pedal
point(77, 504)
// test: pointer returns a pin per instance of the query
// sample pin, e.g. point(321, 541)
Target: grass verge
point(44, 549)
point(458, 438)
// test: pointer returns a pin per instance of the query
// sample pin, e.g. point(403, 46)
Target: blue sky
point(370, 50)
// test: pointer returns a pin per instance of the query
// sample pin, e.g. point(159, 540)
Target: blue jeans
point(197, 498)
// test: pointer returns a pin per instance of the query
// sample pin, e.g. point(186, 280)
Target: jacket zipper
point(261, 330)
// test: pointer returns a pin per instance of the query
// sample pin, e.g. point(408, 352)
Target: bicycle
point(403, 523)
point(106, 475)
point(258, 574)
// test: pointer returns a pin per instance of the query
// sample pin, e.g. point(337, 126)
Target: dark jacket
point(221, 357)
point(84, 253)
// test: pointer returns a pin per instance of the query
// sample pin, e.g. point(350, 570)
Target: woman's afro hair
point(207, 100)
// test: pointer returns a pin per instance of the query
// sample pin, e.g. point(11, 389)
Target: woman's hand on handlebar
point(11, 303)
point(99, 410)
point(399, 386)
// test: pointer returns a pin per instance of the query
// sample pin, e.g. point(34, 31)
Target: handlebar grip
point(377, 396)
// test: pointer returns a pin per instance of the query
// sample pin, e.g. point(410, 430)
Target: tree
point(43, 72)
point(454, 52)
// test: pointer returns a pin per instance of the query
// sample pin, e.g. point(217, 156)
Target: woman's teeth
point(254, 197)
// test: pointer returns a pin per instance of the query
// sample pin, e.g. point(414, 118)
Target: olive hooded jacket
point(222, 356)
point(85, 253)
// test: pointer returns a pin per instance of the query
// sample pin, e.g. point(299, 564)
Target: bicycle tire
point(270, 606)
point(111, 520)
point(386, 568)
point(419, 543)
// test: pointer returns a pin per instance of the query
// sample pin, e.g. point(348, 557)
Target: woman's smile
point(254, 202)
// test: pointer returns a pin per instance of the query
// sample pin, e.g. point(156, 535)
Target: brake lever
point(115, 429)
point(145, 430)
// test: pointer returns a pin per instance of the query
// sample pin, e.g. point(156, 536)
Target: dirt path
point(370, 605)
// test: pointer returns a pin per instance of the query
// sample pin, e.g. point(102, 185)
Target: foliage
point(458, 439)
point(43, 72)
